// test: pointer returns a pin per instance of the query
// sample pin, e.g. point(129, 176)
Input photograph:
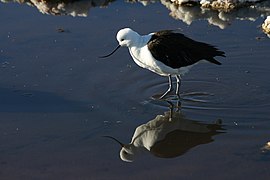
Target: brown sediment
point(217, 5)
point(226, 5)
point(266, 25)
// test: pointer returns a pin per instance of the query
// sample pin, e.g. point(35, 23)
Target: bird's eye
point(122, 39)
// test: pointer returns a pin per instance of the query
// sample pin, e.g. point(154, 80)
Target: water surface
point(58, 98)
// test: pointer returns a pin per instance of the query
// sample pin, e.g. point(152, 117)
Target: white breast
point(143, 58)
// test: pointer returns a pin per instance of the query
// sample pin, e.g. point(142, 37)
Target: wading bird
point(167, 53)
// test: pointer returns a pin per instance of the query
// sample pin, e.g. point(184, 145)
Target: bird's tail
point(212, 60)
point(216, 53)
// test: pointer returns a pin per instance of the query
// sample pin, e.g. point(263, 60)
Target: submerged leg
point(171, 107)
point(178, 80)
point(169, 89)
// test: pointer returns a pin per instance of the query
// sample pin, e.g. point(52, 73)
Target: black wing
point(176, 50)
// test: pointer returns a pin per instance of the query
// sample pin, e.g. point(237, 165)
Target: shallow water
point(57, 98)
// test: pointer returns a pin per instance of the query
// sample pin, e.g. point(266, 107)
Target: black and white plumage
point(166, 53)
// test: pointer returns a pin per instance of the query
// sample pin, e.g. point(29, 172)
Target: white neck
point(141, 41)
point(144, 39)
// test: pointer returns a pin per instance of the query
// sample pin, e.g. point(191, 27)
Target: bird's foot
point(163, 96)
point(166, 96)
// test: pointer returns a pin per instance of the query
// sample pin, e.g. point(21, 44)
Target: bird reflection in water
point(168, 136)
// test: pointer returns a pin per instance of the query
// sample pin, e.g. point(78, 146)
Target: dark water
point(57, 99)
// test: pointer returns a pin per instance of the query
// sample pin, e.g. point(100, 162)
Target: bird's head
point(127, 37)
point(127, 152)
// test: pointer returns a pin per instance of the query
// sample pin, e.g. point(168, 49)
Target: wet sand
point(58, 98)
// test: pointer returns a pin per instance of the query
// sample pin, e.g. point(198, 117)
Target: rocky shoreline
point(266, 26)
point(220, 13)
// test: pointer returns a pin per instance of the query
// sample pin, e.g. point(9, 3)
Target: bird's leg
point(171, 107)
point(178, 80)
point(178, 105)
point(169, 89)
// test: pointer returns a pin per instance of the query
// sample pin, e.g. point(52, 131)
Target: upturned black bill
point(110, 137)
point(111, 52)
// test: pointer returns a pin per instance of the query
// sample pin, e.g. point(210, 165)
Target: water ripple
point(199, 94)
